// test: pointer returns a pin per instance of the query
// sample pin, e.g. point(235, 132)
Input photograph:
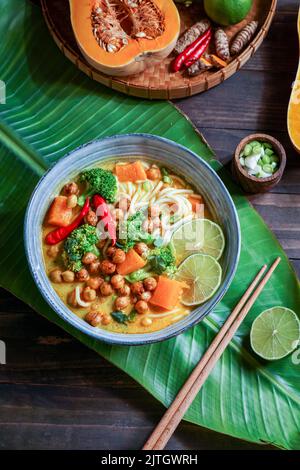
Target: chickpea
point(148, 225)
point(89, 258)
point(107, 267)
point(106, 289)
point(150, 283)
point(70, 188)
point(72, 201)
point(146, 321)
point(119, 256)
point(153, 173)
point(146, 296)
point(93, 318)
point(68, 276)
point(94, 267)
point(124, 204)
point(154, 211)
point(53, 251)
point(91, 218)
point(111, 251)
point(156, 222)
point(82, 275)
point(118, 281)
point(95, 282)
point(137, 288)
point(106, 319)
point(125, 290)
point(89, 294)
point(142, 249)
point(122, 302)
point(141, 307)
point(56, 276)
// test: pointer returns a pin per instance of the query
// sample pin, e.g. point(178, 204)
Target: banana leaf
point(50, 109)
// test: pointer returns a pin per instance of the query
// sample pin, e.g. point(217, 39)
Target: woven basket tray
point(158, 82)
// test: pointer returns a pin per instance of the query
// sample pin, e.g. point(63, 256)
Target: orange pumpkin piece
point(197, 203)
point(115, 49)
point(131, 172)
point(294, 107)
point(132, 263)
point(59, 215)
point(167, 293)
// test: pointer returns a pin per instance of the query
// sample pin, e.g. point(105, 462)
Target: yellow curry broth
point(106, 304)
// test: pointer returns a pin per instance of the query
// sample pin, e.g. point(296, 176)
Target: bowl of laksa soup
point(132, 239)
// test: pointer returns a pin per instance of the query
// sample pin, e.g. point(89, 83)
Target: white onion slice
point(80, 302)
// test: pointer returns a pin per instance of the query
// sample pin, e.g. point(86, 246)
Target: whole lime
point(226, 12)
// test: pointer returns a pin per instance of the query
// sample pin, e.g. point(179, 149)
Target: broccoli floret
point(160, 260)
point(99, 181)
point(80, 241)
point(163, 260)
point(132, 231)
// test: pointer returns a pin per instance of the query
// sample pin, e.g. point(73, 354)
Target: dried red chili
point(61, 233)
point(103, 212)
point(191, 53)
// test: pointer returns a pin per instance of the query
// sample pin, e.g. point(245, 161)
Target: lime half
point(198, 236)
point(275, 333)
point(203, 274)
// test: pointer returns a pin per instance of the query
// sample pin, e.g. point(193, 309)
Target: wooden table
point(54, 392)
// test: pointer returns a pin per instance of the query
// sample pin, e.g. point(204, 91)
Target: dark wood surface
point(57, 394)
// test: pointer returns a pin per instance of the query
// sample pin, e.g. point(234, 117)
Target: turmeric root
point(198, 67)
point(243, 38)
point(222, 44)
point(191, 35)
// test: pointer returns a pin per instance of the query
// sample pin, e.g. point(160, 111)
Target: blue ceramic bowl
point(120, 147)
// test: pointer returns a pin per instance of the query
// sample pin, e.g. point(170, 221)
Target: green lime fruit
point(203, 275)
point(275, 333)
point(226, 12)
point(198, 236)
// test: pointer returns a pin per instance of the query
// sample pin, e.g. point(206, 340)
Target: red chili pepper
point(191, 50)
point(199, 52)
point(102, 211)
point(61, 233)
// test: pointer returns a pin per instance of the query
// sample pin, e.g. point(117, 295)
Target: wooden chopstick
point(172, 417)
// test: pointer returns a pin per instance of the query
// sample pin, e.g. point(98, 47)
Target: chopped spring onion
point(259, 159)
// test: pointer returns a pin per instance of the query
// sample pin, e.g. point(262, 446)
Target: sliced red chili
point(103, 212)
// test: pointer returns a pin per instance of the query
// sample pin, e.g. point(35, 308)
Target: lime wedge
point(275, 333)
point(203, 274)
point(198, 236)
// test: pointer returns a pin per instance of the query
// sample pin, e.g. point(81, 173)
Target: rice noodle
point(162, 315)
point(178, 316)
point(142, 195)
point(80, 302)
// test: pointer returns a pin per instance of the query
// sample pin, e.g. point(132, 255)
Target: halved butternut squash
point(294, 106)
point(123, 37)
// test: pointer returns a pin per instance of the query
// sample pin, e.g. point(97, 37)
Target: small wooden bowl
point(252, 184)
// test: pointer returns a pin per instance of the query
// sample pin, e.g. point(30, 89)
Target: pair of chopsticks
point(172, 417)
